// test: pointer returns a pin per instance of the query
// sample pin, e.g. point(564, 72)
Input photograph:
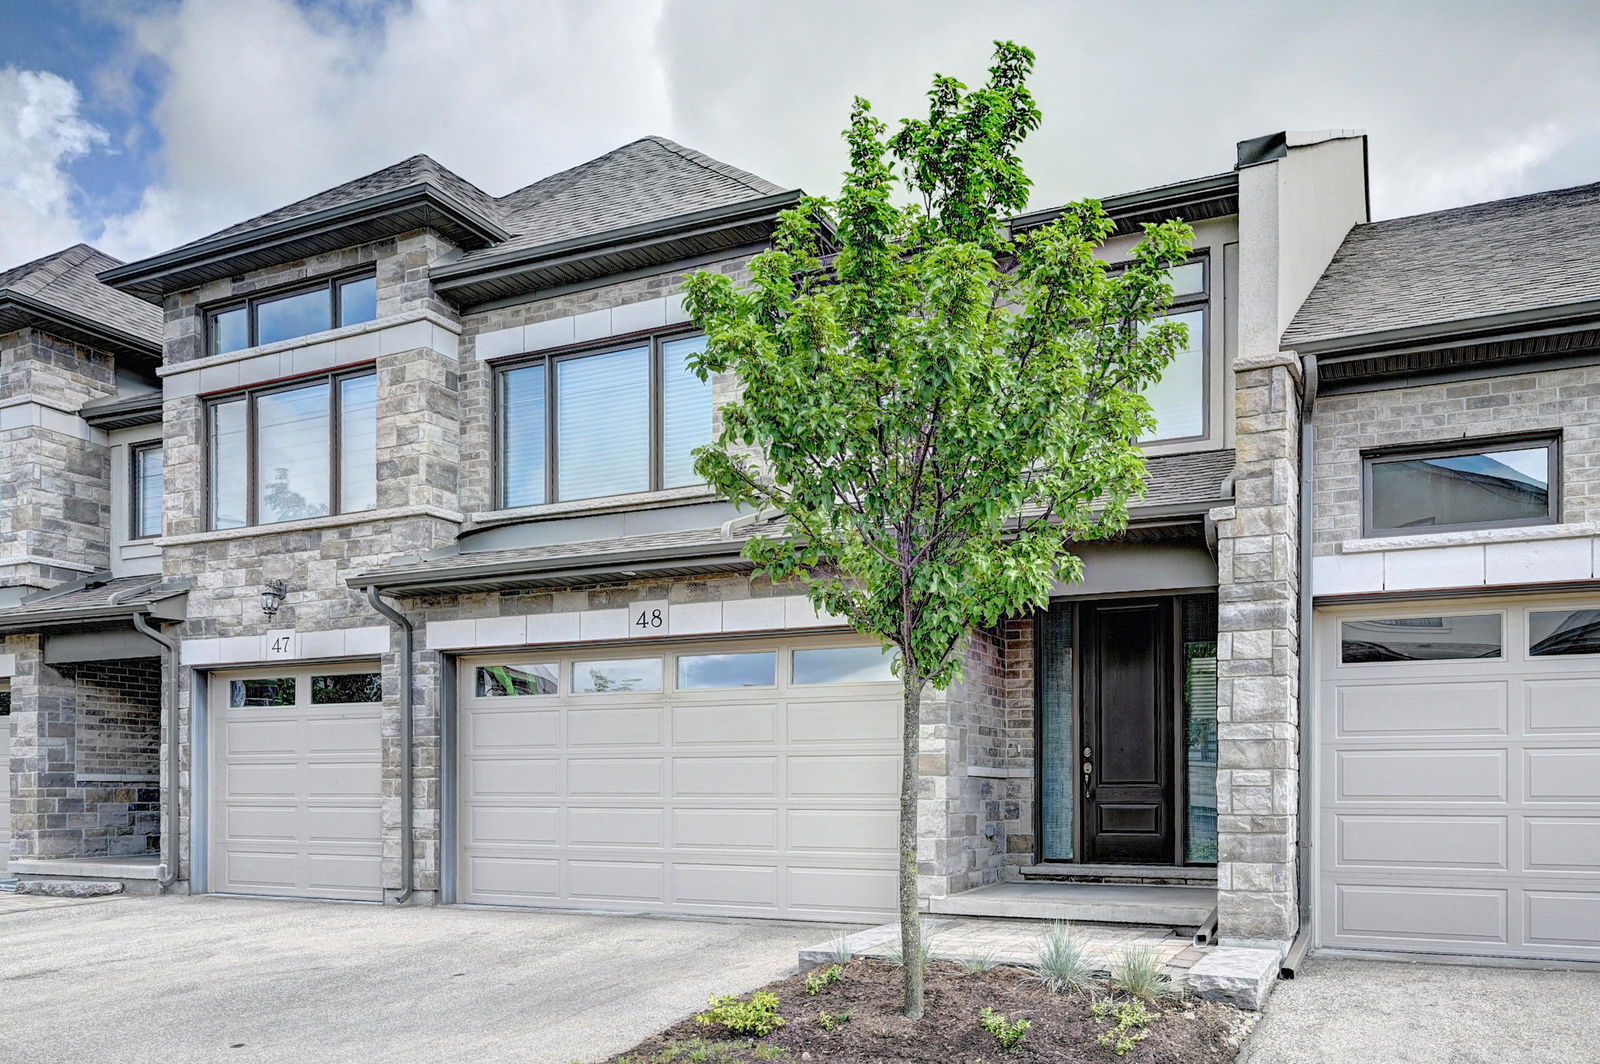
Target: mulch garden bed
point(1186, 1031)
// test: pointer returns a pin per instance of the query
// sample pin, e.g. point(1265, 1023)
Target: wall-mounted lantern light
point(272, 595)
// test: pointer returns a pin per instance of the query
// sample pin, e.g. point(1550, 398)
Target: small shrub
point(1062, 960)
point(1141, 972)
point(1005, 1032)
point(758, 1016)
point(817, 980)
point(897, 954)
point(982, 962)
point(1130, 1026)
point(840, 947)
point(829, 1020)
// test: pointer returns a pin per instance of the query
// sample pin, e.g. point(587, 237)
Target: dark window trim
point(330, 282)
point(654, 339)
point(249, 396)
point(135, 496)
point(1455, 448)
point(1183, 304)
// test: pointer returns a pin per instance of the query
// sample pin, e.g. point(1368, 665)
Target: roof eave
point(1213, 196)
point(167, 608)
point(36, 313)
point(1450, 333)
point(147, 278)
point(459, 280)
point(124, 413)
point(509, 573)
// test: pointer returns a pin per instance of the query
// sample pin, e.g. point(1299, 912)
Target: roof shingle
point(66, 282)
point(1520, 254)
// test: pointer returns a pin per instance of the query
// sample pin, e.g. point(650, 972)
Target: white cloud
point(41, 132)
point(502, 91)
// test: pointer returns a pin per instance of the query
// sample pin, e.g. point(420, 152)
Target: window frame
point(655, 340)
point(1550, 440)
point(1187, 304)
point(135, 495)
point(249, 304)
point(251, 444)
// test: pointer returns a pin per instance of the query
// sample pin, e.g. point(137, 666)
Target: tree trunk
point(910, 917)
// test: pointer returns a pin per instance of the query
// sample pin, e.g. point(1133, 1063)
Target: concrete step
point(1110, 903)
point(1063, 872)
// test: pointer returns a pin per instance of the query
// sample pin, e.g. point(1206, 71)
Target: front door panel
point(1127, 761)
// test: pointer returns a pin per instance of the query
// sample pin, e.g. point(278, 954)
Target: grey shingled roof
point(651, 179)
point(66, 283)
point(1513, 255)
point(417, 170)
point(100, 597)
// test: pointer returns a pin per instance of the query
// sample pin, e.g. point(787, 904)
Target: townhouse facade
point(355, 552)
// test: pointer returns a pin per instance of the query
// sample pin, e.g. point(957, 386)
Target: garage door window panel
point(264, 692)
point(714, 671)
point(616, 676)
point(1442, 638)
point(830, 665)
point(1484, 485)
point(1560, 633)
point(344, 688)
point(516, 681)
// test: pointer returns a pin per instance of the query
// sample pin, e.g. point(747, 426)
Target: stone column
point(1258, 661)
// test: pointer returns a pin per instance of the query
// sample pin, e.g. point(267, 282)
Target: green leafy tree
point(936, 404)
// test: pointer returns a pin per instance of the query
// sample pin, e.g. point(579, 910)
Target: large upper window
point(1477, 485)
point(300, 450)
point(1178, 399)
point(607, 422)
point(328, 304)
point(147, 483)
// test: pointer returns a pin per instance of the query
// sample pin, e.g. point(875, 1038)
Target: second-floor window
point(294, 451)
point(331, 303)
point(612, 421)
point(1178, 399)
point(148, 484)
point(1471, 484)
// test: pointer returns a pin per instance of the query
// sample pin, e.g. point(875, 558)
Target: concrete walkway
point(155, 980)
point(1341, 1011)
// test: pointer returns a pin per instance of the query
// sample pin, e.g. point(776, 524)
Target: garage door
point(754, 778)
point(1459, 779)
point(297, 783)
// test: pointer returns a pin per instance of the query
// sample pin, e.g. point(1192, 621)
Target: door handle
point(1088, 772)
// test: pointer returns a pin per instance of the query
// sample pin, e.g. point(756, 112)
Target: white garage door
point(1459, 779)
point(758, 778)
point(297, 783)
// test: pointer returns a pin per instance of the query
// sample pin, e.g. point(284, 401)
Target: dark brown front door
point(1127, 720)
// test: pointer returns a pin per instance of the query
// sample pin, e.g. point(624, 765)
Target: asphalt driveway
point(1339, 1011)
point(175, 980)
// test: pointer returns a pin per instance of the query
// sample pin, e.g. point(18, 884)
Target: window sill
point(644, 500)
point(1471, 538)
point(311, 524)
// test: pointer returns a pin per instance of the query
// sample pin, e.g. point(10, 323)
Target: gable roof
point(61, 293)
point(1449, 271)
point(651, 181)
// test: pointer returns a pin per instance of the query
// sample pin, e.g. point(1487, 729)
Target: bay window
point(294, 451)
point(612, 421)
point(331, 303)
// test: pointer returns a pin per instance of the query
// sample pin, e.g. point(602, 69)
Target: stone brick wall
point(55, 474)
point(1559, 399)
point(1258, 708)
point(975, 799)
point(84, 774)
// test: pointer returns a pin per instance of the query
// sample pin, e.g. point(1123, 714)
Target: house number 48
point(649, 618)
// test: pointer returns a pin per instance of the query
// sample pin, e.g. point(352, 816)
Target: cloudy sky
point(139, 124)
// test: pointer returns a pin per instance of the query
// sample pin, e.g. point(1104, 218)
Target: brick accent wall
point(85, 769)
point(1561, 399)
